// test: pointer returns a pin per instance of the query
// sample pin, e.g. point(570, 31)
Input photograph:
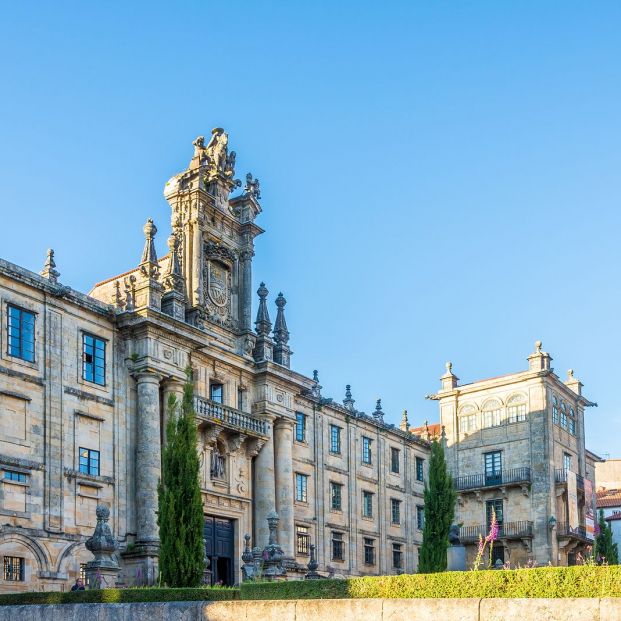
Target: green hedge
point(582, 581)
point(120, 596)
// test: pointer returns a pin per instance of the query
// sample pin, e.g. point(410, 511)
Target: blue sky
point(440, 180)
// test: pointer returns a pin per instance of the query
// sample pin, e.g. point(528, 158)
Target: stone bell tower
point(215, 237)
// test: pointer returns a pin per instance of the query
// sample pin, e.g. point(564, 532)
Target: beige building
point(84, 380)
point(515, 446)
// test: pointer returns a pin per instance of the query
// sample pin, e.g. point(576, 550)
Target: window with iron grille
point(14, 568)
point(338, 546)
point(367, 504)
point(303, 540)
point(397, 556)
point(11, 475)
point(335, 439)
point(20, 333)
point(301, 487)
point(369, 551)
point(300, 427)
point(394, 460)
point(89, 461)
point(216, 392)
point(420, 517)
point(93, 359)
point(336, 496)
point(420, 469)
point(82, 575)
point(395, 511)
point(366, 450)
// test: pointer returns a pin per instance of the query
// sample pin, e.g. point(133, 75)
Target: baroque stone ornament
point(378, 414)
point(103, 571)
point(148, 263)
point(348, 402)
point(252, 187)
point(312, 574)
point(273, 555)
point(49, 268)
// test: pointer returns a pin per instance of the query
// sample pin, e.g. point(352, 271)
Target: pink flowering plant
point(489, 539)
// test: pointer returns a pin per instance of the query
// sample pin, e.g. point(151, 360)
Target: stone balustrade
point(213, 411)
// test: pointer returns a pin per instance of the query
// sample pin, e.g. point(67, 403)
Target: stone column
point(148, 456)
point(283, 451)
point(172, 386)
point(246, 288)
point(197, 264)
point(264, 492)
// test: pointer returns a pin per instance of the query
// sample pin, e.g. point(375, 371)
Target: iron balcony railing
point(211, 410)
point(507, 530)
point(493, 479)
point(560, 476)
point(563, 529)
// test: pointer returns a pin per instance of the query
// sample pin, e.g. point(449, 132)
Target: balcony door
point(493, 468)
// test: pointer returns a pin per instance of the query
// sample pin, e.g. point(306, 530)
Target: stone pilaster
point(245, 260)
point(148, 456)
point(283, 459)
point(264, 491)
point(172, 386)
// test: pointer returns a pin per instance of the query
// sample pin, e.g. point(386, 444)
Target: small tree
point(440, 499)
point(180, 515)
point(606, 550)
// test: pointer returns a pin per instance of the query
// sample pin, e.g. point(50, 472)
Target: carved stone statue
point(217, 149)
point(454, 535)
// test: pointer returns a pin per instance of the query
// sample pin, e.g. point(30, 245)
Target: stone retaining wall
point(605, 609)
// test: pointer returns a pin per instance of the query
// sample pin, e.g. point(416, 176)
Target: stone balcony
point(213, 412)
point(505, 478)
point(507, 530)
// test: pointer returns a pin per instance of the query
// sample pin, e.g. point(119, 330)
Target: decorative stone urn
point(103, 571)
point(273, 554)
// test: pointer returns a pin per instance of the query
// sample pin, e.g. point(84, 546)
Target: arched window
point(516, 409)
point(563, 415)
point(555, 410)
point(492, 413)
point(467, 419)
point(572, 421)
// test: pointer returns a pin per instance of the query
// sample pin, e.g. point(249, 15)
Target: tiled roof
point(435, 430)
point(613, 517)
point(608, 498)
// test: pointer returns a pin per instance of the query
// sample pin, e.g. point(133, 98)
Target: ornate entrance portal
point(219, 548)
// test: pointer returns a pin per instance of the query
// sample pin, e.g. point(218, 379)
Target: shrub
point(120, 596)
point(548, 582)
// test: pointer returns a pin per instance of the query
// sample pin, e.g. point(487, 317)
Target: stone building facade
point(515, 446)
point(84, 380)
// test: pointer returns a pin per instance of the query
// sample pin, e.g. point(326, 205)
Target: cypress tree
point(606, 550)
point(180, 515)
point(440, 499)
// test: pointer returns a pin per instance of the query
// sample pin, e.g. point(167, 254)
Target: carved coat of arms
point(218, 286)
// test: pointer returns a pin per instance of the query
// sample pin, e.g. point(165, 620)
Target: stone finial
point(49, 268)
point(252, 187)
point(173, 278)
point(405, 423)
point(539, 360)
point(312, 565)
point(316, 389)
point(378, 413)
point(573, 383)
point(538, 345)
point(148, 263)
point(570, 374)
point(273, 554)
point(104, 568)
point(449, 379)
point(263, 323)
point(282, 352)
point(348, 402)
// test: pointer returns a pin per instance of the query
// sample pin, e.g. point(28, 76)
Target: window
point(369, 551)
point(516, 409)
point(10, 475)
point(301, 487)
point(240, 399)
point(336, 496)
point(563, 415)
point(492, 414)
point(20, 333)
point(397, 556)
point(468, 423)
point(555, 410)
point(367, 504)
point(302, 534)
point(420, 517)
point(335, 439)
point(566, 462)
point(14, 568)
point(366, 450)
point(337, 546)
point(216, 392)
point(496, 506)
point(420, 469)
point(82, 574)
point(93, 359)
point(394, 460)
point(300, 427)
point(572, 426)
point(89, 461)
point(395, 511)
point(498, 554)
point(493, 468)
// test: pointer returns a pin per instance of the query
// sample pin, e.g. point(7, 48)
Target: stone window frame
point(27, 485)
point(302, 540)
point(369, 551)
point(8, 567)
point(397, 553)
point(467, 418)
point(395, 451)
point(212, 384)
point(339, 444)
point(301, 421)
point(12, 439)
point(420, 517)
point(29, 307)
point(419, 463)
point(337, 537)
point(555, 410)
point(367, 494)
point(367, 452)
point(303, 496)
point(492, 416)
point(97, 332)
point(339, 486)
point(22, 311)
point(514, 405)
